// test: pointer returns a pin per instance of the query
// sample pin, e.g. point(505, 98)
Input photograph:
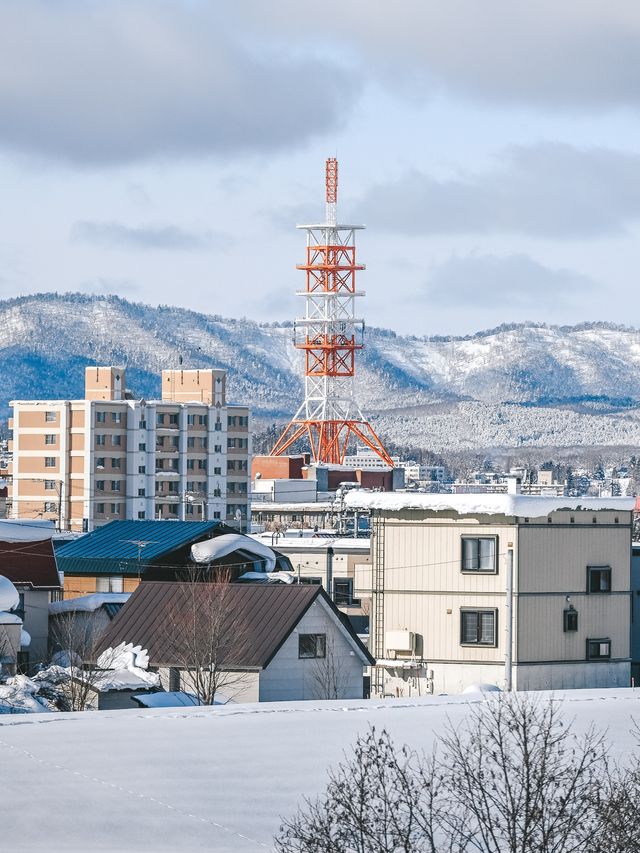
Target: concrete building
point(86, 462)
point(502, 589)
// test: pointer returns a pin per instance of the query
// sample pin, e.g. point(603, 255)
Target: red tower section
point(329, 334)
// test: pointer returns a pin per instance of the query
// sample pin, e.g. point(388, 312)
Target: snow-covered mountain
point(514, 385)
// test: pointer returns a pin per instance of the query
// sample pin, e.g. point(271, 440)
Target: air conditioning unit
point(400, 642)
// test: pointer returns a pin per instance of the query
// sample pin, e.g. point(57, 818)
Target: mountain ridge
point(494, 376)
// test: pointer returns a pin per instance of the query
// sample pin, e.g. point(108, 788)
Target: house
point(519, 591)
point(115, 557)
point(290, 642)
point(86, 616)
point(27, 559)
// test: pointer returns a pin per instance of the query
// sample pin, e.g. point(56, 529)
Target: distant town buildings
point(85, 462)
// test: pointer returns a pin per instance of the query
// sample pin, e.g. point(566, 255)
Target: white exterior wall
point(290, 678)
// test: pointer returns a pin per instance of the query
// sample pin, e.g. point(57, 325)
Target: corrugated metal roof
point(113, 548)
point(31, 563)
point(268, 615)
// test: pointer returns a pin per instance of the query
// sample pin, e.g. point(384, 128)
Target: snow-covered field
point(210, 778)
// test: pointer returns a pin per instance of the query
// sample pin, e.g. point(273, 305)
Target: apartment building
point(86, 462)
point(511, 590)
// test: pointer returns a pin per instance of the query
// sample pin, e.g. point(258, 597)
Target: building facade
point(528, 592)
point(85, 462)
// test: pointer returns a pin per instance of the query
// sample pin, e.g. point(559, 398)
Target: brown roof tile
point(31, 563)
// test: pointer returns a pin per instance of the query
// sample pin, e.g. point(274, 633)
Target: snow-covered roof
point(88, 603)
point(168, 699)
point(308, 543)
point(524, 506)
point(126, 679)
point(9, 598)
point(22, 530)
point(276, 506)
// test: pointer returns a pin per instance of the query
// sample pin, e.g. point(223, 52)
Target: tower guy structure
point(330, 334)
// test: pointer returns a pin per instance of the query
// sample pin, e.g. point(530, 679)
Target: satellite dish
point(258, 475)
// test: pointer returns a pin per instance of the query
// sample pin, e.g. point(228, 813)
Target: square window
point(191, 419)
point(115, 462)
point(598, 579)
point(115, 509)
point(141, 516)
point(141, 493)
point(142, 446)
point(173, 419)
point(217, 448)
point(49, 485)
point(101, 417)
point(115, 485)
point(101, 440)
point(49, 506)
point(202, 420)
point(100, 509)
point(50, 438)
point(343, 592)
point(100, 485)
point(159, 419)
point(142, 424)
point(116, 417)
point(50, 417)
point(191, 441)
point(116, 440)
point(479, 554)
point(49, 462)
point(312, 645)
point(217, 470)
point(599, 649)
point(100, 461)
point(142, 469)
point(216, 515)
point(478, 627)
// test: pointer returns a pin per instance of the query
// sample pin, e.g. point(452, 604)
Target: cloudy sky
point(164, 150)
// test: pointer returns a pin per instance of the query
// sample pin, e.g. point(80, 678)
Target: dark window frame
point(592, 642)
point(592, 571)
point(478, 571)
point(478, 611)
point(569, 620)
point(316, 646)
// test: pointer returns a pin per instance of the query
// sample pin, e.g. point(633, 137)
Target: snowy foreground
point(210, 778)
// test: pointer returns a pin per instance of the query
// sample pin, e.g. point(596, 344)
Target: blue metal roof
point(116, 547)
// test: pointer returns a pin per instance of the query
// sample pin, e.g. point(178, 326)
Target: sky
point(164, 150)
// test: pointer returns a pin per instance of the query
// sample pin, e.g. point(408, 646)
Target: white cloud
point(148, 238)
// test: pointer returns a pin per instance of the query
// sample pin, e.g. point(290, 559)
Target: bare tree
point(381, 800)
point(330, 674)
point(514, 778)
point(521, 780)
point(206, 636)
point(77, 647)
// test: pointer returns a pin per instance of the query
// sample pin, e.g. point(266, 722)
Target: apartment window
point(203, 443)
point(109, 583)
point(50, 417)
point(115, 485)
point(598, 579)
point(49, 462)
point(115, 509)
point(217, 470)
point(174, 464)
point(115, 462)
point(116, 440)
point(343, 591)
point(173, 508)
point(311, 581)
point(570, 620)
point(231, 421)
point(242, 488)
point(175, 442)
point(201, 486)
point(159, 465)
point(173, 419)
point(191, 441)
point(142, 446)
point(159, 419)
point(189, 509)
point(142, 424)
point(191, 464)
point(116, 417)
point(478, 627)
point(312, 645)
point(217, 448)
point(141, 493)
point(202, 464)
point(202, 420)
point(191, 419)
point(49, 506)
point(49, 485)
point(231, 464)
point(599, 649)
point(100, 461)
point(217, 493)
point(159, 442)
point(100, 485)
point(142, 515)
point(231, 487)
point(101, 440)
point(216, 516)
point(218, 426)
point(100, 509)
point(50, 438)
point(172, 487)
point(101, 417)
point(479, 554)
point(142, 469)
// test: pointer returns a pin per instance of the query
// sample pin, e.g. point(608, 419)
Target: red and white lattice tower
point(330, 334)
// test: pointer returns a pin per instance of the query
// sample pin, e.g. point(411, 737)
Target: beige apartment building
point(526, 592)
point(85, 462)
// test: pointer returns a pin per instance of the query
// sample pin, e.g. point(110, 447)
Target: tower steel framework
point(330, 334)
